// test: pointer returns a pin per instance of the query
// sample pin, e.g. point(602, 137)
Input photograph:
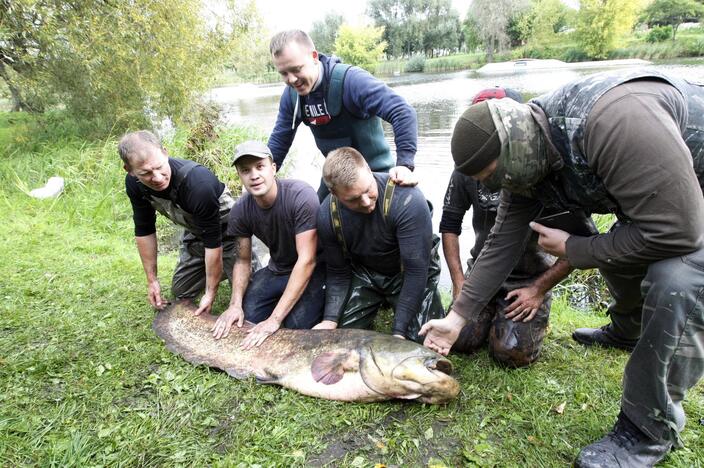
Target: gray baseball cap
point(251, 148)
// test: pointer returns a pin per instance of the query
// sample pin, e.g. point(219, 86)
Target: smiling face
point(258, 177)
point(153, 169)
point(298, 67)
point(361, 196)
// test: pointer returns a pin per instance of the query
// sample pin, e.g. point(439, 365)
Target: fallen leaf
point(429, 433)
point(559, 409)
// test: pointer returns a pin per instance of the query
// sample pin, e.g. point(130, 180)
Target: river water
point(439, 99)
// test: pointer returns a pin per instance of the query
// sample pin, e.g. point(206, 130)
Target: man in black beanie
point(514, 322)
point(620, 142)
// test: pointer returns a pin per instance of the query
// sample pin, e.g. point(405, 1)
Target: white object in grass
point(52, 189)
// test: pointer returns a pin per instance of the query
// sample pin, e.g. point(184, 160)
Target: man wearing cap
point(628, 143)
point(192, 197)
point(379, 248)
point(289, 292)
point(343, 106)
point(515, 320)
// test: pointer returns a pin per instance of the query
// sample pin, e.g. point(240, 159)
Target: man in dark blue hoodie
point(343, 106)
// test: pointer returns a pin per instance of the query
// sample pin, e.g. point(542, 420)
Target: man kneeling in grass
point(282, 213)
point(379, 248)
point(191, 196)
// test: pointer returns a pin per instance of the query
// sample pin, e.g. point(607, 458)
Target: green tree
point(361, 46)
point(672, 13)
point(442, 27)
point(546, 18)
point(601, 23)
point(114, 63)
point(491, 18)
point(324, 32)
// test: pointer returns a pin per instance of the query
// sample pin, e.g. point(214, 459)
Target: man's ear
point(127, 168)
point(315, 55)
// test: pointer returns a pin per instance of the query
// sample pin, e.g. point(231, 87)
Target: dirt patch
point(361, 442)
point(352, 440)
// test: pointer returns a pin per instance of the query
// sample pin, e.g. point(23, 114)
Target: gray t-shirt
point(294, 211)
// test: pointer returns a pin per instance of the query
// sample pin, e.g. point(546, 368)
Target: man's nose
point(291, 78)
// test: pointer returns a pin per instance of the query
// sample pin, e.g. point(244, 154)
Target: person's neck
point(267, 200)
point(319, 80)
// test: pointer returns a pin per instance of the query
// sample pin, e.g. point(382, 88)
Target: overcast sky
point(300, 14)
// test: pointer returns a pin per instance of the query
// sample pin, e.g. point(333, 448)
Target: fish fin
point(239, 374)
point(329, 368)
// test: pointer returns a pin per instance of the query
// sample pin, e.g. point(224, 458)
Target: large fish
point(346, 364)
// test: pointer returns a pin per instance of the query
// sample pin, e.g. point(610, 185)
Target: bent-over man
point(191, 196)
point(515, 320)
point(379, 248)
point(628, 143)
point(289, 291)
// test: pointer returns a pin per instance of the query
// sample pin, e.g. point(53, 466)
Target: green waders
point(369, 290)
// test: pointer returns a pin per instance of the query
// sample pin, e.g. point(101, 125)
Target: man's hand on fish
point(206, 303)
point(552, 241)
point(403, 176)
point(223, 324)
point(326, 325)
point(154, 295)
point(260, 332)
point(441, 334)
point(526, 302)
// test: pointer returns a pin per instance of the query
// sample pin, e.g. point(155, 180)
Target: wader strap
point(388, 195)
point(337, 224)
point(337, 219)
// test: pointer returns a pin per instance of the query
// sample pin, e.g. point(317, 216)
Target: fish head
point(407, 370)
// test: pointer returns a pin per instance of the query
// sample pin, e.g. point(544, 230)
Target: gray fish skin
point(343, 364)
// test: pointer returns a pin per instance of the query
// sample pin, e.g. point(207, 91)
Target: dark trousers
point(370, 290)
point(669, 356)
point(266, 288)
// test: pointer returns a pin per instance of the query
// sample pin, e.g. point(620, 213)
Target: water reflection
point(438, 99)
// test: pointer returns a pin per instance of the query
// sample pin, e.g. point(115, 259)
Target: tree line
point(123, 64)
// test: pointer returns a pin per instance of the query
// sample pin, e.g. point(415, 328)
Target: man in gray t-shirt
point(289, 291)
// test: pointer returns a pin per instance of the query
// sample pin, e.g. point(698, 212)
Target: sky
point(300, 14)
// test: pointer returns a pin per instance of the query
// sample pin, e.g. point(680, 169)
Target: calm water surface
point(438, 99)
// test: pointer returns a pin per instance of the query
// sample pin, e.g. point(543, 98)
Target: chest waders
point(345, 129)
point(369, 290)
point(189, 276)
point(170, 208)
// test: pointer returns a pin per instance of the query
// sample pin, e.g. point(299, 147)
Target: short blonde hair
point(284, 38)
point(341, 168)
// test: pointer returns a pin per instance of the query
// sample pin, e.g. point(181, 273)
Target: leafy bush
point(659, 34)
point(415, 65)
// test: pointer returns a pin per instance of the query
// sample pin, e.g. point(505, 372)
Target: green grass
point(85, 382)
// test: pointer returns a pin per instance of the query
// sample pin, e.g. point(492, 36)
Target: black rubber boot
point(625, 446)
point(603, 337)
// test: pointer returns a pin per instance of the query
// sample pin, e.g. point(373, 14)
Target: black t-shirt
point(198, 194)
point(464, 192)
point(294, 211)
point(403, 239)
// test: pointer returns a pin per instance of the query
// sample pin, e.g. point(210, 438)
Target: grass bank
point(85, 382)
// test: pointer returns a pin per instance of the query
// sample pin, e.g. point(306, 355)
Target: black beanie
point(475, 141)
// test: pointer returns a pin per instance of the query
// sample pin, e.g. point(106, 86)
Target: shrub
point(416, 64)
point(659, 34)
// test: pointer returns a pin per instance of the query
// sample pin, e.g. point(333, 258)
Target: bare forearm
point(147, 248)
point(297, 283)
point(451, 251)
point(213, 269)
point(241, 271)
point(551, 277)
